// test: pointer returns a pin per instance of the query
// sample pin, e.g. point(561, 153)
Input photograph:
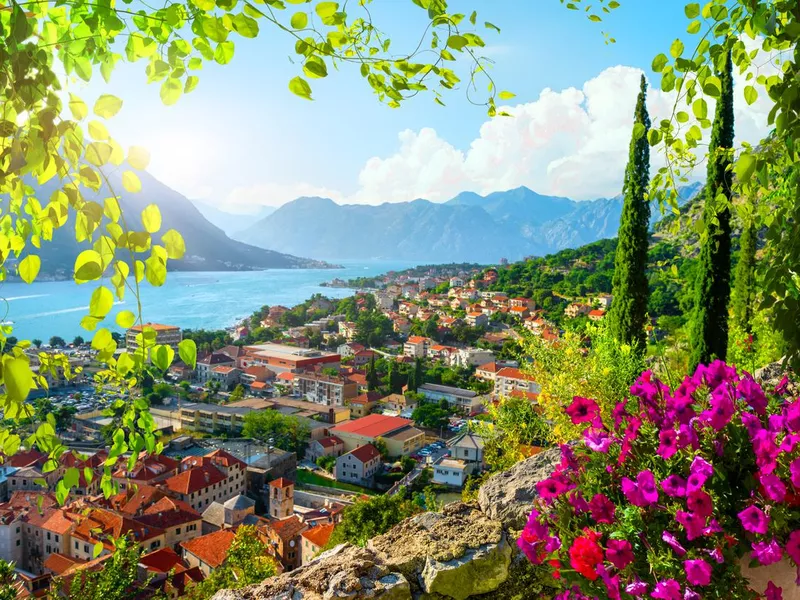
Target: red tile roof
point(212, 549)
point(358, 378)
point(26, 458)
point(29, 499)
point(287, 528)
point(224, 370)
point(280, 482)
point(155, 327)
point(163, 561)
point(148, 467)
point(372, 425)
point(286, 376)
point(59, 521)
point(597, 313)
point(319, 535)
point(167, 513)
point(194, 479)
point(225, 458)
point(526, 395)
point(491, 367)
point(417, 339)
point(102, 525)
point(511, 373)
point(330, 442)
point(365, 453)
point(136, 498)
point(58, 563)
point(366, 398)
point(258, 385)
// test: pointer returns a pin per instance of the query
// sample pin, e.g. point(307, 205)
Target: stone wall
point(465, 551)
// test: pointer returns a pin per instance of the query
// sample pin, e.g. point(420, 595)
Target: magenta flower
point(668, 445)
point(715, 374)
point(773, 592)
point(619, 553)
point(767, 553)
point(754, 520)
point(716, 554)
point(766, 451)
point(700, 503)
point(552, 487)
point(597, 440)
point(698, 571)
point(602, 509)
point(583, 410)
point(793, 416)
point(774, 487)
point(578, 502)
point(690, 594)
point(674, 486)
point(679, 408)
point(669, 589)
point(637, 588)
point(620, 413)
point(687, 436)
point(702, 466)
point(783, 386)
point(722, 408)
point(793, 546)
point(693, 523)
point(611, 583)
point(673, 543)
point(568, 460)
point(752, 423)
point(643, 491)
point(752, 393)
point(794, 470)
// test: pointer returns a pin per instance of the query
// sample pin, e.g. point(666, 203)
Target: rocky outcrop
point(508, 497)
point(465, 551)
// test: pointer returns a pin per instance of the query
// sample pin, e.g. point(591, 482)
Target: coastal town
point(367, 419)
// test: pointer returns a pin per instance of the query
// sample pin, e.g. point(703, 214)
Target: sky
point(241, 139)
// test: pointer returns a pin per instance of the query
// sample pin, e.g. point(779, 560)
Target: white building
point(450, 471)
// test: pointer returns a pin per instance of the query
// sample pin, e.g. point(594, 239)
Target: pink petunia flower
point(668, 445)
point(752, 393)
point(773, 592)
point(794, 470)
point(722, 408)
point(774, 488)
point(674, 486)
point(700, 502)
point(698, 572)
point(602, 509)
point(793, 546)
point(636, 588)
point(673, 543)
point(583, 410)
point(754, 520)
point(597, 440)
point(767, 553)
point(669, 589)
point(692, 523)
point(619, 553)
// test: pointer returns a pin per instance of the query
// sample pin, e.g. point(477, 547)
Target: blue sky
point(242, 138)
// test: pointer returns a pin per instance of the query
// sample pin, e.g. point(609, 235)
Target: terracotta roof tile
point(194, 479)
point(212, 549)
point(365, 453)
point(288, 528)
point(280, 482)
point(319, 535)
point(163, 560)
point(58, 563)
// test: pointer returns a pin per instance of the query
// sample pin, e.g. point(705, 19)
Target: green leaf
point(224, 52)
point(29, 268)
point(300, 87)
point(131, 182)
point(18, 378)
point(676, 49)
point(171, 90)
point(457, 42)
point(107, 106)
point(162, 357)
point(712, 86)
point(151, 218)
point(101, 302)
point(156, 272)
point(692, 10)
point(700, 108)
point(138, 157)
point(659, 62)
point(191, 83)
point(694, 27)
point(326, 10)
point(506, 95)
point(653, 137)
point(750, 94)
point(491, 26)
point(173, 242)
point(102, 339)
point(299, 20)
point(745, 167)
point(638, 130)
point(88, 266)
point(187, 350)
point(98, 131)
point(71, 477)
point(315, 67)
point(98, 153)
point(245, 26)
point(126, 319)
point(97, 549)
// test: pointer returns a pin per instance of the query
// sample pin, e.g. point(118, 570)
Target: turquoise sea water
point(191, 300)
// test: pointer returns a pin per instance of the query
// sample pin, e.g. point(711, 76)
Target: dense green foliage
point(744, 291)
point(371, 517)
point(247, 563)
point(431, 415)
point(116, 580)
point(628, 314)
point(286, 432)
point(709, 335)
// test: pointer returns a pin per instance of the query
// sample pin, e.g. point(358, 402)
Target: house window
point(48, 535)
point(76, 545)
point(178, 531)
point(17, 542)
point(85, 548)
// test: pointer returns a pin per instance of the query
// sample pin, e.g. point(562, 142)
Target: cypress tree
point(744, 289)
point(709, 330)
point(628, 314)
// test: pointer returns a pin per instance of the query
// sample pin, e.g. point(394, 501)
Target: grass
point(306, 476)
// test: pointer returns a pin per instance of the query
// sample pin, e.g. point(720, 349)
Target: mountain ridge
point(469, 227)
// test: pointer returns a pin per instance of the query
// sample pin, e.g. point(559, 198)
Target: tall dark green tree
point(628, 314)
point(744, 290)
point(709, 328)
point(372, 376)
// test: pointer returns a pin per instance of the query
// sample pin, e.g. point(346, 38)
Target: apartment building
point(215, 477)
point(416, 346)
point(359, 466)
point(325, 389)
point(513, 382)
point(466, 400)
point(399, 434)
point(167, 335)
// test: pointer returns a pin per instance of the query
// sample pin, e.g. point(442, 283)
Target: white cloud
point(570, 143)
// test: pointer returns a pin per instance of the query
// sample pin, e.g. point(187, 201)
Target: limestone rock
point(508, 496)
point(455, 554)
point(343, 572)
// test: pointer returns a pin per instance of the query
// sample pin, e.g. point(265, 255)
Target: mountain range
point(231, 223)
point(208, 248)
point(470, 227)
